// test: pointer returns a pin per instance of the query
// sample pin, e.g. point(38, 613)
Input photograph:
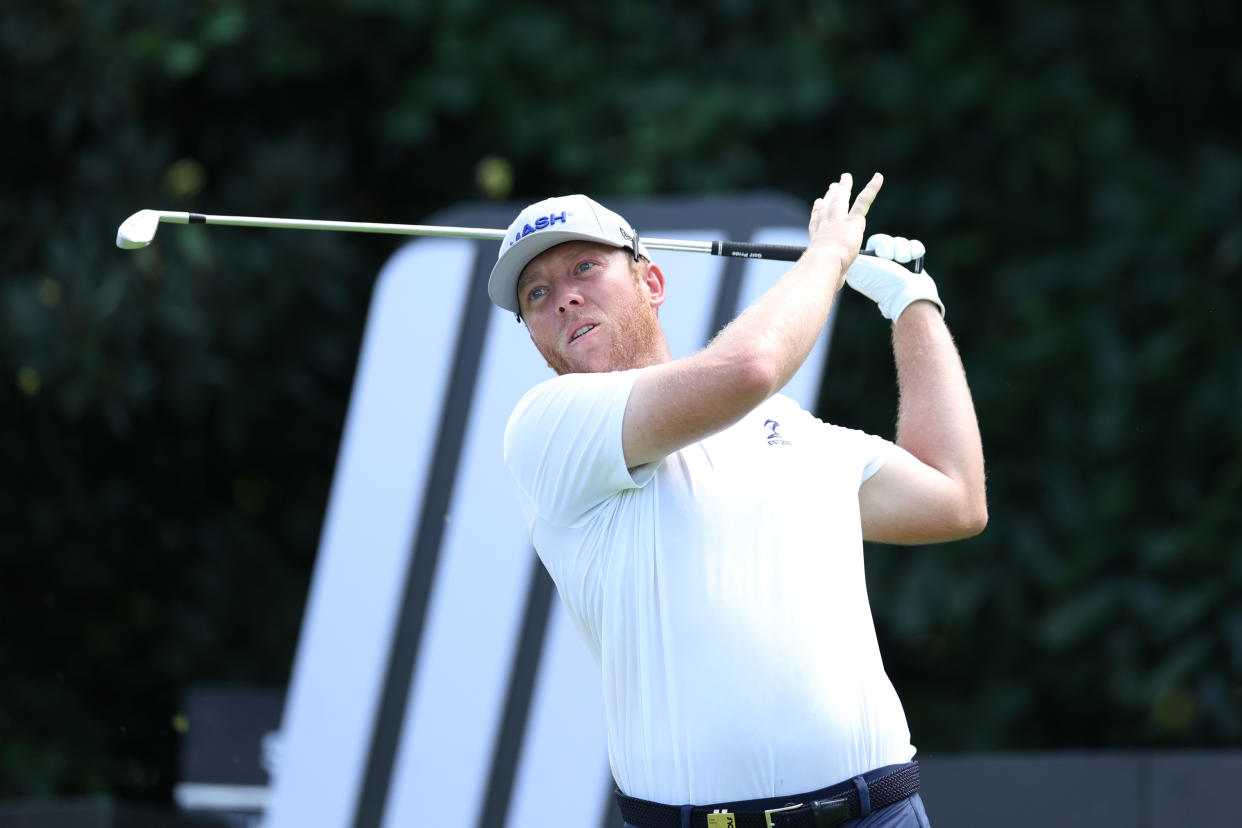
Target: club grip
point(750, 250)
point(781, 252)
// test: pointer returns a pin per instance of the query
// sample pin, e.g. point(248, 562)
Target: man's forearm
point(936, 417)
point(776, 333)
point(677, 402)
point(785, 322)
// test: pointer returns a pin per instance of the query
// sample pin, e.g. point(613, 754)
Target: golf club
point(139, 231)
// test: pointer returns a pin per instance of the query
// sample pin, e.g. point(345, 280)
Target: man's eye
point(583, 267)
point(535, 293)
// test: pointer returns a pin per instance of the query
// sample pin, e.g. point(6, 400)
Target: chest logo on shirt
point(774, 438)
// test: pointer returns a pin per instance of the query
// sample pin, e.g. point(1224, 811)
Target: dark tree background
point(171, 415)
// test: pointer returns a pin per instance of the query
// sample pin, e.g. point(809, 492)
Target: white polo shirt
point(721, 592)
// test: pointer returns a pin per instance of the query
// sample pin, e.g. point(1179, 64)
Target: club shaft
point(346, 226)
point(745, 250)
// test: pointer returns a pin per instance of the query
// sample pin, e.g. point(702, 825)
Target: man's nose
point(567, 297)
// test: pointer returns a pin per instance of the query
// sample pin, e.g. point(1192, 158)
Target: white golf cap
point(546, 224)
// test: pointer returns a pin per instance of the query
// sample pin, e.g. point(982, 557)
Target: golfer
point(705, 533)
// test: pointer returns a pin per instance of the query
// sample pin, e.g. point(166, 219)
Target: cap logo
point(541, 223)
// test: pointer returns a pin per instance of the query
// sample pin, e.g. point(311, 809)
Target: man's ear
point(654, 282)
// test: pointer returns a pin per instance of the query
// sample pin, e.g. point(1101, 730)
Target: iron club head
point(138, 230)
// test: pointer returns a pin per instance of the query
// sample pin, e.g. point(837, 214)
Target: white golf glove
point(884, 279)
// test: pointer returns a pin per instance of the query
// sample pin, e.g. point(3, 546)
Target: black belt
point(819, 809)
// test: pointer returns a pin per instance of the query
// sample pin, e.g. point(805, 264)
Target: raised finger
point(867, 195)
point(837, 199)
point(844, 185)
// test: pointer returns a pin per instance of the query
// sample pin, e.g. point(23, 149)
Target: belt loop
point(685, 815)
point(864, 796)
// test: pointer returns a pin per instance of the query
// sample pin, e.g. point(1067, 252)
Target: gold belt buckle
point(767, 815)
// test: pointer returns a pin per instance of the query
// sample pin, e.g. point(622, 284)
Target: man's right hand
point(836, 225)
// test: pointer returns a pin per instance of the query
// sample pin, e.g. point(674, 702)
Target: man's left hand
point(885, 280)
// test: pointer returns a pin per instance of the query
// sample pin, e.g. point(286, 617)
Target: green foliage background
point(170, 416)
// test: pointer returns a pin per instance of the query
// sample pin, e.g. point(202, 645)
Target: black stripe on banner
point(726, 297)
point(611, 817)
point(730, 284)
point(403, 658)
point(521, 689)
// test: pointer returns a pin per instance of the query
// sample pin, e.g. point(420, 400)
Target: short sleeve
point(563, 444)
point(875, 451)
